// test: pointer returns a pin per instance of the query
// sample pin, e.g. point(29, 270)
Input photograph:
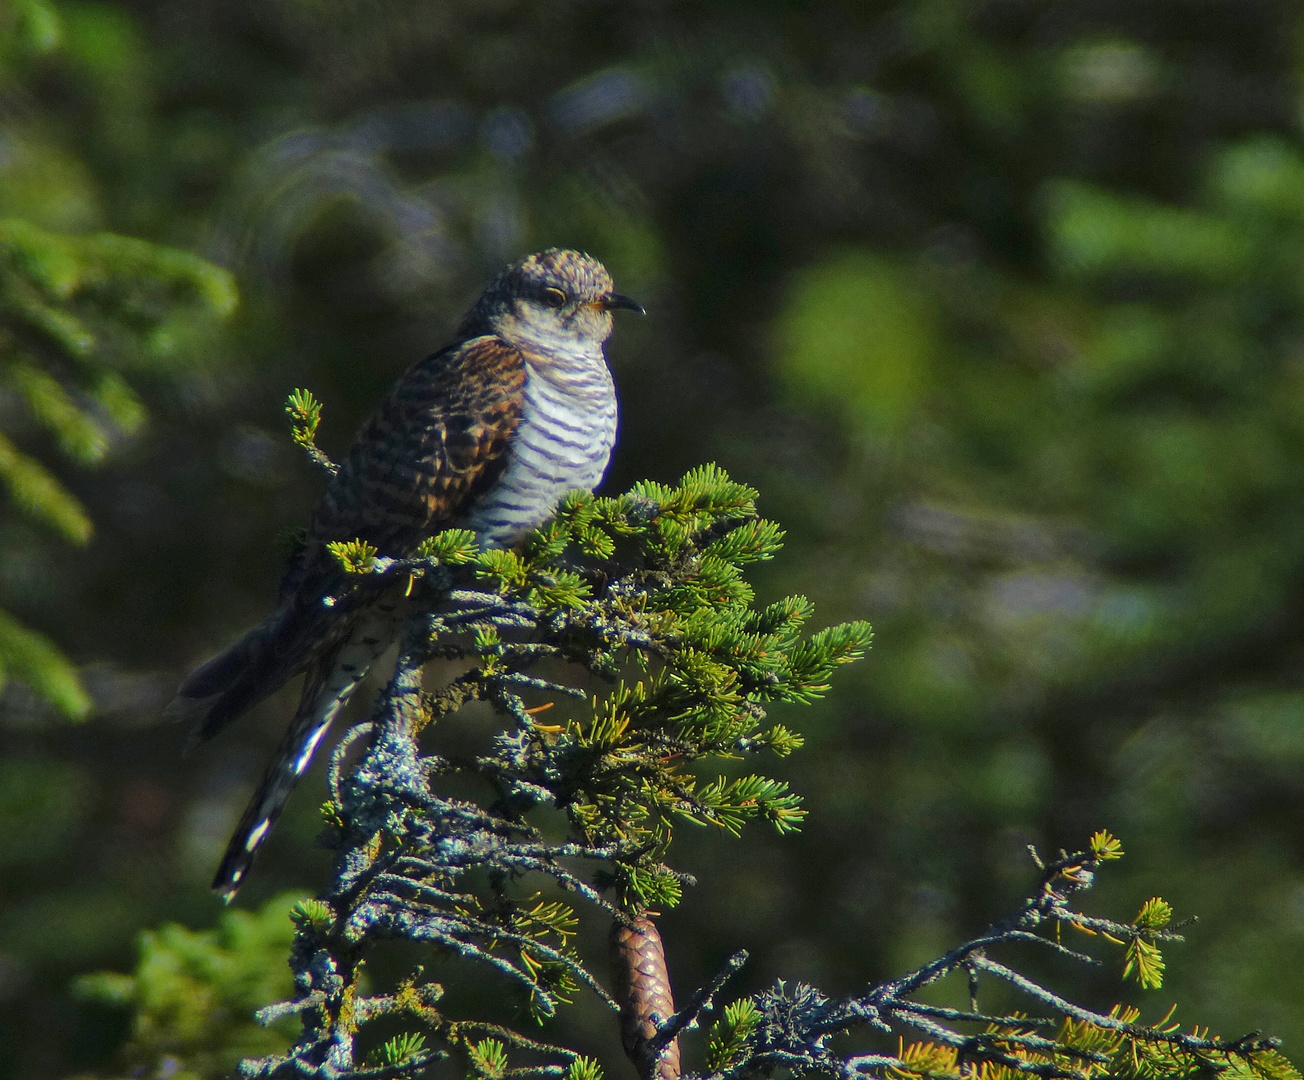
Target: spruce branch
point(304, 412)
point(644, 594)
point(466, 874)
point(796, 1023)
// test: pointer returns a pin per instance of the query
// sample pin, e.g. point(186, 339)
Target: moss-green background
point(1000, 304)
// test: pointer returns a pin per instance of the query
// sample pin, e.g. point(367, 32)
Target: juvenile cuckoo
point(486, 434)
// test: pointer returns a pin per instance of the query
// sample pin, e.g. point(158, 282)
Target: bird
point(486, 434)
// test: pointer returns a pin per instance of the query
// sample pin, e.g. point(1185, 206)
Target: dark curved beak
point(616, 300)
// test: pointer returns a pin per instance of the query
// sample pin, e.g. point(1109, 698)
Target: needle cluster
point(621, 652)
point(623, 662)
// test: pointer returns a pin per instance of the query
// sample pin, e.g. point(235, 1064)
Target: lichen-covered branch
point(494, 857)
point(793, 1027)
point(646, 594)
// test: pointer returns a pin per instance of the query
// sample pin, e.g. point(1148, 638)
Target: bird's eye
point(554, 297)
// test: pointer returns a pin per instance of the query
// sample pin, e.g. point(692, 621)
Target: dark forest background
point(999, 304)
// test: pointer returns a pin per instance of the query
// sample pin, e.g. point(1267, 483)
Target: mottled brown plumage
point(488, 434)
point(436, 441)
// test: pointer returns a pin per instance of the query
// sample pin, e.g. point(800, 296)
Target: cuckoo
point(487, 434)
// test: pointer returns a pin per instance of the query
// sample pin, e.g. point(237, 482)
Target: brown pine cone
point(643, 990)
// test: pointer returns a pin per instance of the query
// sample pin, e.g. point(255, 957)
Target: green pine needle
point(405, 1049)
point(730, 1034)
point(316, 914)
point(1144, 962)
point(1105, 847)
point(583, 1068)
point(353, 556)
point(32, 659)
point(488, 1059)
point(453, 547)
point(304, 411)
point(1155, 914)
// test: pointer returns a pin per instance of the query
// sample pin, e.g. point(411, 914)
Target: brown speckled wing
point(438, 440)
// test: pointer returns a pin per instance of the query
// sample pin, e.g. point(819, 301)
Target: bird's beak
point(616, 300)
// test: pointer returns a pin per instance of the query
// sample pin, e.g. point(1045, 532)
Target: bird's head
point(554, 300)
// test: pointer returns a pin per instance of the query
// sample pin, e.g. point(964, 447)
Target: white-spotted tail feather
point(330, 683)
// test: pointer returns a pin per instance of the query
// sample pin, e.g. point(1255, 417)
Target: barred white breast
point(563, 442)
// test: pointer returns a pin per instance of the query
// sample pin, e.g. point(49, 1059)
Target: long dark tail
point(258, 664)
point(236, 679)
point(330, 683)
point(314, 716)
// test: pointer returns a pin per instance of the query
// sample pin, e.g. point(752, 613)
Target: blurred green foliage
point(77, 314)
point(998, 304)
point(41, 802)
point(192, 995)
point(874, 380)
